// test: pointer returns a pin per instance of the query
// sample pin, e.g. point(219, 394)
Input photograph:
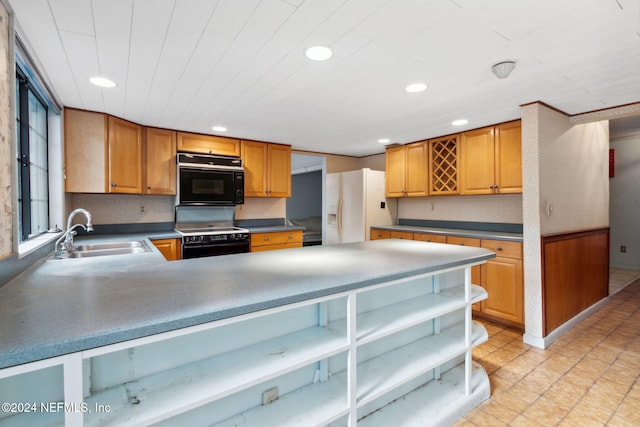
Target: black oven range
point(209, 231)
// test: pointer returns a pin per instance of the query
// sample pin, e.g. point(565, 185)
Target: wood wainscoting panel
point(575, 274)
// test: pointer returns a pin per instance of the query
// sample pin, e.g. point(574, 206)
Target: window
point(32, 158)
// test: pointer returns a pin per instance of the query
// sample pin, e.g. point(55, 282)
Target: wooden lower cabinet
point(377, 234)
point(170, 248)
point(407, 235)
point(433, 238)
point(502, 277)
point(276, 240)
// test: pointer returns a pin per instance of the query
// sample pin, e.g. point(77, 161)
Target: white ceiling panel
point(82, 55)
point(75, 16)
point(190, 64)
point(230, 16)
point(189, 20)
point(144, 52)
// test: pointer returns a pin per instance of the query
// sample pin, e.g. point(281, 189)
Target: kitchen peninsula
point(320, 335)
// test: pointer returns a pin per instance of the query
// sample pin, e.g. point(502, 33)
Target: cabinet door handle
point(113, 184)
point(266, 239)
point(290, 237)
point(499, 249)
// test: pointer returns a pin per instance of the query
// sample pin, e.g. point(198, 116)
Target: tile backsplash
point(125, 208)
point(137, 209)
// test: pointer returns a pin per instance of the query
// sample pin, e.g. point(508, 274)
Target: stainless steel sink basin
point(109, 248)
point(133, 244)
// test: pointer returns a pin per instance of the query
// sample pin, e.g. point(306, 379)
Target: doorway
point(305, 206)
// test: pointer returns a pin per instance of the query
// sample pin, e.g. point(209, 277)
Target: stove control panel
point(213, 238)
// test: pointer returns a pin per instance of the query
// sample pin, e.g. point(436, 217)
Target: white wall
point(574, 174)
point(565, 168)
point(625, 203)
point(306, 196)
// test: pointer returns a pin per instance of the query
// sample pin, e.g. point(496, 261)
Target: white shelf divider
point(169, 393)
point(388, 371)
point(314, 405)
point(435, 404)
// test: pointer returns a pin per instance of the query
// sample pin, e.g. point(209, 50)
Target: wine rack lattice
point(444, 166)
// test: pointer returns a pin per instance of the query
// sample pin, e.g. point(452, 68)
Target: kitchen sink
point(108, 248)
point(127, 245)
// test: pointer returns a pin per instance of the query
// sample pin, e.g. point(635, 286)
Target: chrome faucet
point(67, 245)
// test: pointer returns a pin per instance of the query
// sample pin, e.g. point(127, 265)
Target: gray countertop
point(63, 306)
point(496, 235)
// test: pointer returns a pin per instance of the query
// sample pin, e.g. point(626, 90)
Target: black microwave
point(210, 180)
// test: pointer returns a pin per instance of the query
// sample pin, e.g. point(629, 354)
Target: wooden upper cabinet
point(509, 157)
point(491, 160)
point(160, 161)
point(279, 170)
point(85, 153)
point(395, 171)
point(406, 170)
point(208, 144)
point(477, 163)
point(254, 161)
point(444, 158)
point(267, 169)
point(125, 157)
point(416, 172)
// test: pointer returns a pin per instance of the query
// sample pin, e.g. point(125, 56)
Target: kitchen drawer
point(434, 238)
point(504, 248)
point(276, 238)
point(463, 241)
point(377, 234)
point(402, 235)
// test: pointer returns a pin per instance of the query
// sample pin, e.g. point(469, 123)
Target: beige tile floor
point(588, 377)
point(619, 278)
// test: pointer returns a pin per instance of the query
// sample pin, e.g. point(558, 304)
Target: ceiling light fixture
point(460, 122)
point(318, 53)
point(503, 69)
point(102, 81)
point(384, 140)
point(416, 87)
point(219, 128)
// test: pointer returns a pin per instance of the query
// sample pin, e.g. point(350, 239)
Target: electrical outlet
point(433, 206)
point(623, 249)
point(270, 395)
point(141, 208)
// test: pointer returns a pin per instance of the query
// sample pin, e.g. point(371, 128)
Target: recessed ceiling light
point(102, 82)
point(384, 140)
point(416, 87)
point(219, 128)
point(318, 53)
point(460, 122)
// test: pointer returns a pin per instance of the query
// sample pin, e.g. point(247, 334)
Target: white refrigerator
point(355, 202)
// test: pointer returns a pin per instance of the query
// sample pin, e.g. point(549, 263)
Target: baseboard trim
point(544, 342)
